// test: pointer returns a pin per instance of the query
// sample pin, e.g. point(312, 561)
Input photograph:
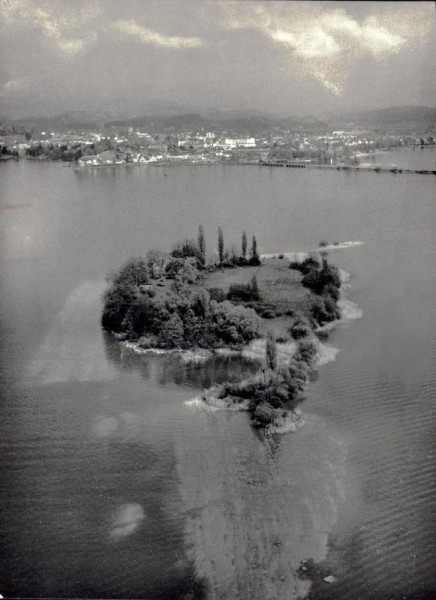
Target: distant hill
point(79, 120)
point(173, 119)
point(396, 119)
point(235, 122)
point(9, 127)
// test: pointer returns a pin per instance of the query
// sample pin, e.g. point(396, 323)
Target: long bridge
point(347, 168)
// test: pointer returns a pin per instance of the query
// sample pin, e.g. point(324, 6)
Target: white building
point(241, 142)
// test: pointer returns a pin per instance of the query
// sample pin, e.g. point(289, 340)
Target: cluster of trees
point(52, 152)
point(277, 389)
point(180, 319)
point(196, 249)
point(185, 317)
point(123, 291)
point(234, 258)
point(324, 280)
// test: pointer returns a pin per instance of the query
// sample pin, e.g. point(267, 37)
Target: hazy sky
point(283, 57)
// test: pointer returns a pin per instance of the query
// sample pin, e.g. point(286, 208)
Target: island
point(233, 300)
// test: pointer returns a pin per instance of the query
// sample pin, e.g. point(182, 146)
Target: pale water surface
point(115, 485)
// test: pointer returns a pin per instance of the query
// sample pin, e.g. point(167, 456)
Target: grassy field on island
point(279, 286)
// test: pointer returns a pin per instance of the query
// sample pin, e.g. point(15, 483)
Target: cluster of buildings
point(90, 149)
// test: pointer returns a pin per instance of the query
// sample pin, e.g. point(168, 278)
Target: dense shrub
point(323, 310)
point(144, 316)
point(270, 388)
point(173, 266)
point(331, 275)
point(267, 313)
point(151, 293)
point(134, 272)
point(331, 307)
point(295, 264)
point(318, 280)
point(189, 273)
point(201, 303)
point(217, 294)
point(332, 291)
point(196, 333)
point(306, 266)
point(243, 261)
point(300, 328)
point(117, 300)
point(179, 299)
point(189, 249)
point(297, 373)
point(234, 325)
point(306, 352)
point(171, 334)
point(183, 269)
point(155, 262)
point(309, 264)
point(231, 259)
point(244, 292)
point(147, 341)
point(239, 291)
point(276, 389)
point(264, 309)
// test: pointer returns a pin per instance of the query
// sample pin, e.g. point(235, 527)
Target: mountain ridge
point(243, 121)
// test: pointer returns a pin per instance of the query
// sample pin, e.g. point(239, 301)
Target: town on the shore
point(351, 145)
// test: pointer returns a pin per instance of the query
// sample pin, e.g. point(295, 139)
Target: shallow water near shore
point(116, 486)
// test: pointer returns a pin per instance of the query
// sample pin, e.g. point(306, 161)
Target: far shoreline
point(334, 167)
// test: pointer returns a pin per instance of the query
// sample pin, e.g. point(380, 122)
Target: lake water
point(117, 483)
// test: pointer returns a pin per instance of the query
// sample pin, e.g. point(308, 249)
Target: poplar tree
point(220, 245)
point(254, 249)
point(202, 243)
point(244, 245)
point(271, 351)
point(254, 288)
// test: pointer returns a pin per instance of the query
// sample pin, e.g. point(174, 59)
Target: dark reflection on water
point(214, 371)
point(175, 368)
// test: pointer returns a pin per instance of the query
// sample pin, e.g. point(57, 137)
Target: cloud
point(314, 43)
point(59, 26)
point(322, 42)
point(149, 36)
point(370, 36)
point(378, 40)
